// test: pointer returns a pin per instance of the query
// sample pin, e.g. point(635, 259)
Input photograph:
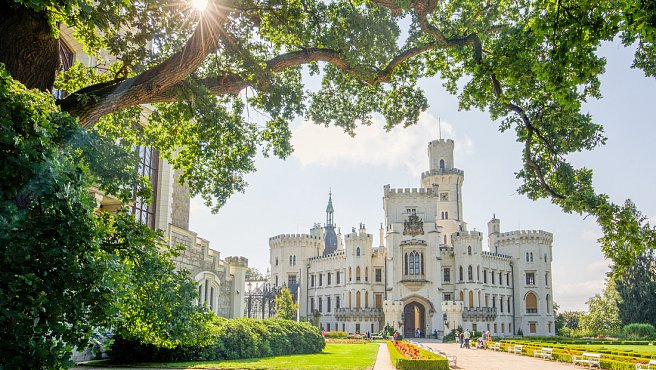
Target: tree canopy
point(285, 307)
point(530, 64)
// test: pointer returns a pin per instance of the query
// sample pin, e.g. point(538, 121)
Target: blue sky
point(289, 196)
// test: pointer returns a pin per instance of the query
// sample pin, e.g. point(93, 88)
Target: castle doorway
point(414, 317)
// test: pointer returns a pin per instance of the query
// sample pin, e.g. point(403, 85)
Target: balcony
point(368, 314)
point(479, 314)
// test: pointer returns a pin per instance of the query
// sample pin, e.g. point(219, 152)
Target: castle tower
point(330, 237)
point(493, 230)
point(447, 180)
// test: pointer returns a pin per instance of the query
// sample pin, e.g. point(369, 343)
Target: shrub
point(335, 334)
point(232, 339)
point(638, 331)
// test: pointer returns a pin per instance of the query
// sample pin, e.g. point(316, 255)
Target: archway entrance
point(414, 317)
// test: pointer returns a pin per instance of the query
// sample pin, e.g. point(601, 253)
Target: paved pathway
point(383, 361)
point(474, 359)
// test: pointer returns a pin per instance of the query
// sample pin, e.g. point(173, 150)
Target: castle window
point(531, 303)
point(446, 215)
point(357, 273)
point(469, 250)
point(508, 305)
point(144, 209)
point(276, 261)
point(494, 302)
point(470, 273)
point(447, 296)
point(415, 263)
point(379, 275)
point(337, 277)
point(311, 304)
point(320, 279)
point(366, 299)
point(441, 164)
point(478, 273)
point(531, 256)
point(532, 327)
point(444, 239)
point(501, 304)
point(336, 303)
point(328, 277)
point(294, 260)
point(366, 273)
point(526, 256)
point(320, 304)
point(328, 305)
point(545, 258)
point(485, 276)
point(507, 279)
point(290, 260)
point(312, 281)
point(461, 278)
point(500, 278)
point(548, 306)
point(350, 277)
point(447, 275)
point(530, 278)
point(358, 300)
point(357, 252)
point(492, 275)
point(66, 56)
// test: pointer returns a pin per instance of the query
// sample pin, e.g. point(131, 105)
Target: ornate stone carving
point(414, 226)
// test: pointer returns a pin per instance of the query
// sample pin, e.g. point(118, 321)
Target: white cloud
point(372, 145)
point(591, 232)
point(572, 296)
point(598, 267)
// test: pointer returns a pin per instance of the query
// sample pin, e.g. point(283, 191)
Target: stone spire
point(330, 238)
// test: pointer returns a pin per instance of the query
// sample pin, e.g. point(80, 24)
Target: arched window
point(350, 276)
point(366, 299)
point(446, 215)
point(548, 305)
point(350, 300)
point(294, 260)
point(531, 303)
point(357, 299)
point(462, 296)
point(357, 273)
point(366, 274)
point(471, 299)
point(461, 278)
point(290, 260)
point(478, 273)
point(526, 256)
point(441, 164)
point(405, 271)
point(531, 256)
point(412, 263)
point(470, 274)
point(421, 271)
point(357, 252)
point(469, 250)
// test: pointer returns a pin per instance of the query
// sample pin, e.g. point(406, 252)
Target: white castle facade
point(429, 273)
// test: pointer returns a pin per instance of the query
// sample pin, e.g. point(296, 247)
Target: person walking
point(467, 335)
point(462, 339)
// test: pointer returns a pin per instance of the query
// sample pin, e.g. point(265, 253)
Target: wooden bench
point(589, 359)
point(517, 349)
point(544, 353)
point(495, 346)
point(651, 365)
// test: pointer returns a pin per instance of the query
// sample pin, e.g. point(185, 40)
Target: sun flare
point(199, 5)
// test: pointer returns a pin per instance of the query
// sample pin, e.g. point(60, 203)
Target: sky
point(285, 197)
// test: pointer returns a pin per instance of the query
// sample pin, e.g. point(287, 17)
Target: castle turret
point(493, 230)
point(330, 237)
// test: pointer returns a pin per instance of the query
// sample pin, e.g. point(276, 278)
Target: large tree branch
point(155, 81)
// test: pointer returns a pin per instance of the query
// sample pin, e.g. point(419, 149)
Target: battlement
point(329, 257)
point(496, 255)
point(443, 171)
point(237, 261)
point(525, 235)
point(408, 191)
point(305, 237)
point(441, 141)
point(467, 234)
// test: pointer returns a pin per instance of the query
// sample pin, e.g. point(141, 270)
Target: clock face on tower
point(444, 196)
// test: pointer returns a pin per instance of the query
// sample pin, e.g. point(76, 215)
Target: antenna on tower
point(439, 123)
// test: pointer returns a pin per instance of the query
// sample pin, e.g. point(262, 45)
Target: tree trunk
point(27, 47)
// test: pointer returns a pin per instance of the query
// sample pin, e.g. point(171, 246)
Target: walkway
point(473, 359)
point(383, 361)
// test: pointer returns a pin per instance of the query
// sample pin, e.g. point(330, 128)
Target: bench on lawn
point(495, 346)
point(589, 359)
point(452, 359)
point(517, 349)
point(648, 366)
point(544, 353)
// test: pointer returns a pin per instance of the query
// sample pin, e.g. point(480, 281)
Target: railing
point(482, 313)
point(367, 313)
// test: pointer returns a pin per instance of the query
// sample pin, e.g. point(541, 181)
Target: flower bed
point(610, 358)
point(406, 356)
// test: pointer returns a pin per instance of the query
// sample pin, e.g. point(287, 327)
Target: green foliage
point(69, 269)
point(603, 315)
point(636, 286)
point(568, 321)
point(434, 362)
point(229, 339)
point(638, 331)
point(285, 307)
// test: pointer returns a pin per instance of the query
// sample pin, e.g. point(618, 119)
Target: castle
point(429, 275)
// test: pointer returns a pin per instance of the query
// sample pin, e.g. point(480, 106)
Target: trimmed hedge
point(610, 359)
point(232, 339)
point(399, 361)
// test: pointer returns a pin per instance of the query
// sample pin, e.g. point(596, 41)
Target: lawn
point(621, 347)
point(334, 356)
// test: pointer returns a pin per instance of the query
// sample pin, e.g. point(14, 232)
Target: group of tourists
point(463, 338)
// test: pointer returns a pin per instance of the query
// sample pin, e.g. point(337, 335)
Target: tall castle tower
point(330, 236)
point(447, 180)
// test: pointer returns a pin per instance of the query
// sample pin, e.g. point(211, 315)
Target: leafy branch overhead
point(530, 64)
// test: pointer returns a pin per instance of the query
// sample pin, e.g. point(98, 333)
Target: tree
point(636, 287)
point(285, 307)
point(69, 269)
point(568, 321)
point(602, 315)
point(254, 274)
point(531, 64)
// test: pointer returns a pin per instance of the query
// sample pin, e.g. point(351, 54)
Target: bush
point(232, 339)
point(335, 334)
point(638, 331)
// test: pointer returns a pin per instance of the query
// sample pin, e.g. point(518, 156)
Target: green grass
point(334, 356)
point(621, 347)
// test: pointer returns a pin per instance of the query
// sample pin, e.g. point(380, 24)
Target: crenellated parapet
point(467, 235)
point(301, 240)
point(524, 236)
point(442, 172)
point(496, 256)
point(237, 261)
point(390, 192)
